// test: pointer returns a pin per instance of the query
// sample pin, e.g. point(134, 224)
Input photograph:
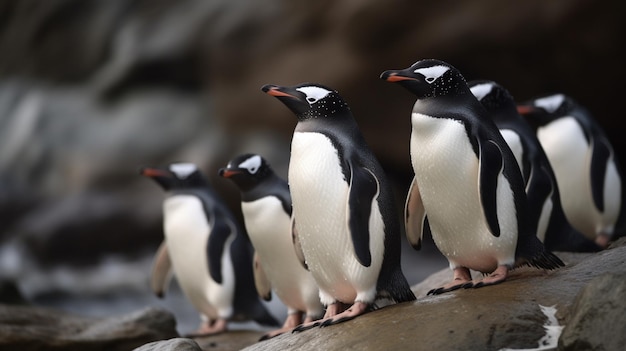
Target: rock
point(176, 344)
point(597, 321)
point(507, 315)
point(232, 340)
point(35, 328)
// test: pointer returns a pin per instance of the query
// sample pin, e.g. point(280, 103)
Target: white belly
point(269, 228)
point(564, 143)
point(320, 194)
point(186, 234)
point(446, 170)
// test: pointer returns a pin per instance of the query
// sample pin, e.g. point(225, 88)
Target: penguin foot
point(462, 277)
point(293, 320)
point(209, 328)
point(603, 240)
point(306, 326)
point(357, 309)
point(442, 290)
point(496, 277)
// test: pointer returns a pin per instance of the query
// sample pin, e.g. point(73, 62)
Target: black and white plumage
point(544, 203)
point(467, 181)
point(205, 248)
point(266, 208)
point(584, 163)
point(345, 217)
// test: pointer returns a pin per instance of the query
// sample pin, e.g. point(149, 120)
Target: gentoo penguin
point(544, 203)
point(584, 163)
point(344, 213)
point(209, 255)
point(467, 181)
point(266, 208)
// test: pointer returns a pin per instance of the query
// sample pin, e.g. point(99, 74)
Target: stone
point(36, 328)
point(176, 344)
point(507, 315)
point(597, 321)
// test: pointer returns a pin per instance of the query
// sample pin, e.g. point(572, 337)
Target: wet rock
point(35, 328)
point(507, 315)
point(597, 321)
point(177, 344)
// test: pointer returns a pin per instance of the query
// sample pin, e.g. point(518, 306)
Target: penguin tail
point(531, 252)
point(545, 260)
point(397, 288)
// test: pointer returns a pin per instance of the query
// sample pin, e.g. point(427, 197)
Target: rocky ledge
point(580, 307)
point(588, 296)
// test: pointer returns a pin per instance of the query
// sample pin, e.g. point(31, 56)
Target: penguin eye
point(252, 164)
point(252, 170)
point(432, 73)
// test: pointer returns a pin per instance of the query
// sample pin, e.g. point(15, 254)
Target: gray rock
point(35, 328)
point(597, 321)
point(176, 344)
point(507, 315)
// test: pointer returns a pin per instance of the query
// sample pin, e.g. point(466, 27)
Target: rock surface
point(491, 318)
point(176, 344)
point(597, 321)
point(35, 328)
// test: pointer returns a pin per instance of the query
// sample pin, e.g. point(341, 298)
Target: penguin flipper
point(538, 189)
point(363, 190)
point(296, 244)
point(220, 232)
point(161, 271)
point(601, 153)
point(491, 165)
point(414, 216)
point(262, 284)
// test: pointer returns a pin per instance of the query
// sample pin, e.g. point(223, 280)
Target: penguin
point(584, 163)
point(544, 202)
point(345, 219)
point(468, 187)
point(206, 250)
point(266, 208)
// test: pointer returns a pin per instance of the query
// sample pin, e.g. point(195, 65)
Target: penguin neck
point(272, 185)
point(450, 106)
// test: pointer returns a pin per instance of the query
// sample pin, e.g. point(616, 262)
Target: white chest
point(447, 173)
point(320, 204)
point(269, 228)
point(186, 233)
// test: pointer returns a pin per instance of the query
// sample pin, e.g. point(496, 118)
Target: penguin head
point(428, 78)
point(491, 95)
point(545, 109)
point(246, 171)
point(308, 100)
point(176, 176)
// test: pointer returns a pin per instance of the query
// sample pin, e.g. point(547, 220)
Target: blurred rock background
point(92, 89)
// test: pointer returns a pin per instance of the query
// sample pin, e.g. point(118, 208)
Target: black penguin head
point(176, 176)
point(246, 171)
point(428, 78)
point(308, 100)
point(545, 109)
point(493, 96)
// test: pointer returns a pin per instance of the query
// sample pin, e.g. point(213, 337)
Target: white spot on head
point(432, 73)
point(550, 103)
point(183, 170)
point(481, 90)
point(314, 94)
point(252, 164)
